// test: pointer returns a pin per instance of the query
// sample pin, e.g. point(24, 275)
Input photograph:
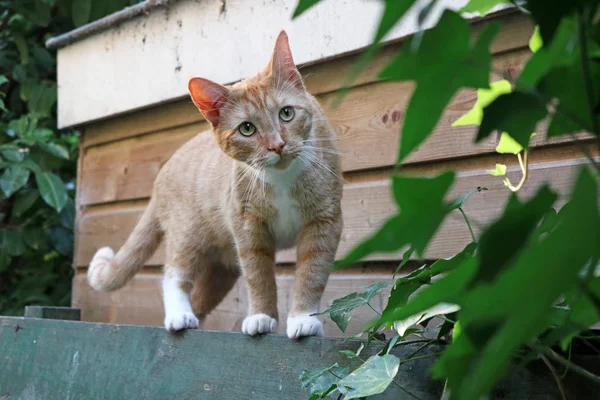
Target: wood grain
point(323, 77)
point(366, 204)
point(50, 359)
point(140, 302)
point(367, 124)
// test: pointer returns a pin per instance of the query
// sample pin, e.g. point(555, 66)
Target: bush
point(37, 160)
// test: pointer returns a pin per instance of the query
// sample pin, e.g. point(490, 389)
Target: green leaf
point(339, 309)
point(371, 378)
point(482, 6)
point(422, 210)
point(56, 150)
point(445, 290)
point(304, 5)
point(42, 98)
point(516, 112)
point(23, 201)
point(439, 78)
point(12, 153)
point(508, 145)
point(3, 80)
point(12, 242)
point(325, 384)
point(62, 240)
point(22, 48)
point(567, 85)
point(484, 98)
point(504, 314)
point(81, 11)
point(536, 42)
point(406, 286)
point(500, 170)
point(5, 260)
point(561, 51)
point(352, 354)
point(13, 179)
point(308, 376)
point(35, 238)
point(67, 214)
point(405, 258)
point(52, 189)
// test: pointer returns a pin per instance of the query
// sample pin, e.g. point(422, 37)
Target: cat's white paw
point(180, 321)
point(304, 325)
point(257, 324)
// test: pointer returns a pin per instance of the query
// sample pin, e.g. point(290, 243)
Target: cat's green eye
point(247, 128)
point(286, 114)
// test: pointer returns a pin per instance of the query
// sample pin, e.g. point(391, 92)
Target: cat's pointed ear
point(209, 97)
point(282, 67)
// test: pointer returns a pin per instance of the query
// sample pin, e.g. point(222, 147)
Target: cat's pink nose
point(277, 146)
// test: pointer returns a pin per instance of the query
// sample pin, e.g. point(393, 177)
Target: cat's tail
point(108, 272)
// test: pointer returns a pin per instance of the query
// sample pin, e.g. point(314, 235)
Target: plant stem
point(573, 367)
point(468, 224)
point(556, 377)
point(414, 353)
point(406, 391)
point(421, 357)
point(371, 307)
point(585, 67)
point(523, 163)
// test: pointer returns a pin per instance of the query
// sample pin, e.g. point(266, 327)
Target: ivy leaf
point(52, 189)
point(568, 86)
point(516, 112)
point(482, 6)
point(339, 309)
point(13, 179)
point(504, 314)
point(371, 378)
point(500, 170)
point(508, 145)
point(439, 78)
point(406, 286)
point(23, 201)
point(325, 384)
point(561, 51)
point(308, 376)
point(422, 210)
point(484, 98)
point(81, 10)
point(536, 42)
point(304, 5)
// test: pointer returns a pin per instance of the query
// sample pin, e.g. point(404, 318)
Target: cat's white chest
point(289, 219)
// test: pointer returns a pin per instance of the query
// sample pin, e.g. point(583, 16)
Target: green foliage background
point(529, 284)
point(37, 161)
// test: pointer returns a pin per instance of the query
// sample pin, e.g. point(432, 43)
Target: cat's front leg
point(256, 253)
point(316, 248)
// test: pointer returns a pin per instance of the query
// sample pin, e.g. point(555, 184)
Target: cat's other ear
point(282, 67)
point(209, 97)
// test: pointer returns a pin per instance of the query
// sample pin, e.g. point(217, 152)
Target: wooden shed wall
point(121, 157)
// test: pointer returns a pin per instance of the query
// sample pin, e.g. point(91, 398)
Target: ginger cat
point(268, 178)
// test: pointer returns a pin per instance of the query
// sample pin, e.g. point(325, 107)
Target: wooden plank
point(77, 360)
point(325, 76)
point(367, 204)
point(45, 312)
point(140, 302)
point(367, 124)
point(127, 169)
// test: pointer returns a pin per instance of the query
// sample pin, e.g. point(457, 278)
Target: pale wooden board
point(368, 203)
point(140, 302)
point(367, 124)
point(325, 76)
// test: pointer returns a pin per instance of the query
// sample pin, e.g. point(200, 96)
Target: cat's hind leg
point(213, 282)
